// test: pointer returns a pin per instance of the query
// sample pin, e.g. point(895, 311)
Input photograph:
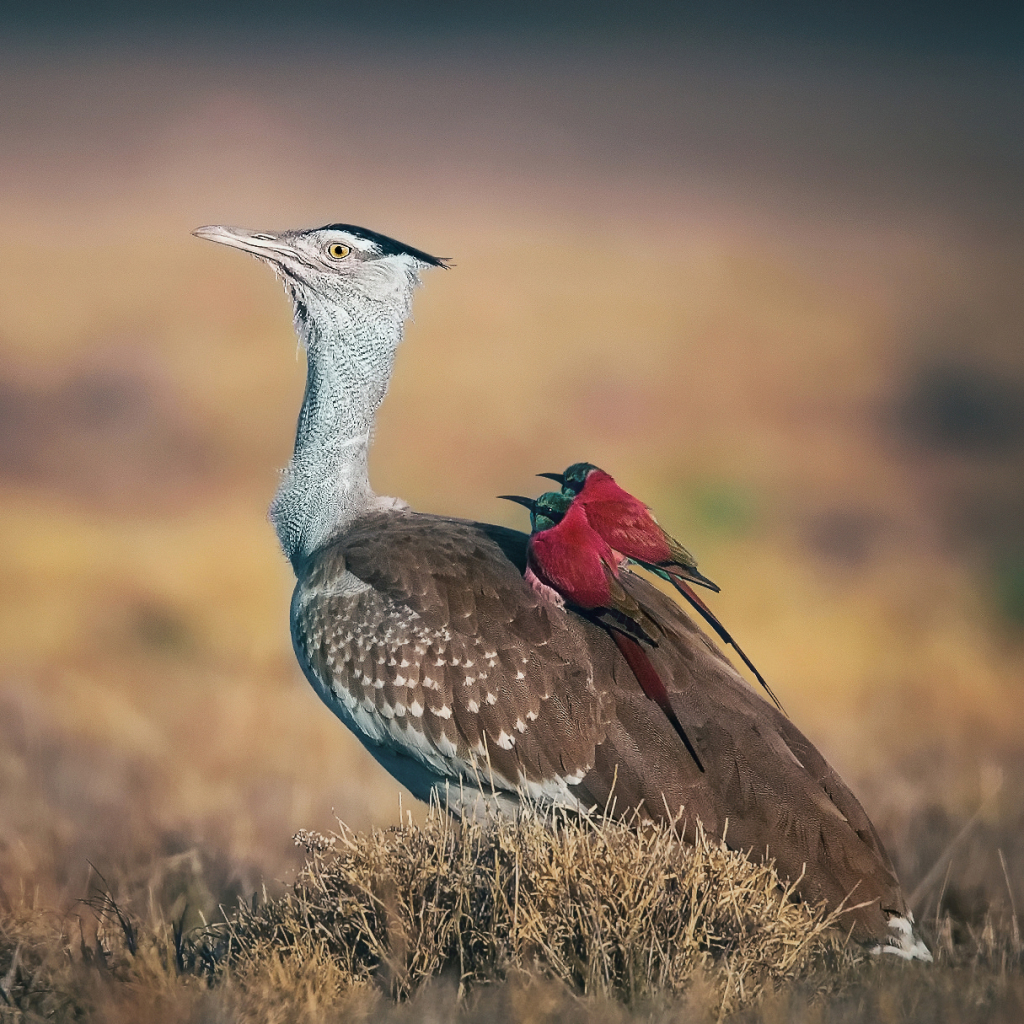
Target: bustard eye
point(337, 251)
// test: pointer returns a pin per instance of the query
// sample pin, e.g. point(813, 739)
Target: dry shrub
point(605, 908)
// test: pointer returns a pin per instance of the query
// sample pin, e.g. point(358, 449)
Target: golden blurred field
point(773, 351)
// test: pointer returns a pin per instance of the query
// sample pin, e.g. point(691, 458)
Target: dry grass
point(609, 912)
point(523, 920)
point(599, 906)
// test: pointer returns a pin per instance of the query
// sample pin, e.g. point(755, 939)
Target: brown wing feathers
point(782, 798)
point(652, 685)
point(499, 674)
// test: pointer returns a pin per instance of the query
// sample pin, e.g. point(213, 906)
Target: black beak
point(530, 503)
point(559, 478)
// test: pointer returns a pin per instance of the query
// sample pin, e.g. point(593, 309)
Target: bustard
point(421, 634)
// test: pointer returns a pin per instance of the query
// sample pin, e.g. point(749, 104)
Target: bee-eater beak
point(530, 503)
point(559, 478)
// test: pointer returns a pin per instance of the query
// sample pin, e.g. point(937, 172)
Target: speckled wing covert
point(422, 636)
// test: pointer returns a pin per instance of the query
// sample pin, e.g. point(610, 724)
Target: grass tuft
point(606, 909)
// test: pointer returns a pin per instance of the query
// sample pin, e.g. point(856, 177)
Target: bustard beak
point(530, 503)
point(263, 244)
point(559, 478)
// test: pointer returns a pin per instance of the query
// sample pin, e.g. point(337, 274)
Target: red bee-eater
point(627, 525)
point(566, 556)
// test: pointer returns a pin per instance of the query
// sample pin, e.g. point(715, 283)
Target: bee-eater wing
point(615, 621)
point(687, 564)
point(625, 605)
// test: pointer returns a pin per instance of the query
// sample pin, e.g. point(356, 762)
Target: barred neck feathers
point(350, 341)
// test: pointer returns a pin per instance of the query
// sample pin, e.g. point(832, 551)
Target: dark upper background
point(986, 29)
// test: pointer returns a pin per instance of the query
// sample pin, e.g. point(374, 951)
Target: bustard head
point(351, 289)
point(332, 267)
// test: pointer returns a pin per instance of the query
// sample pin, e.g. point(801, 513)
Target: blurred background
point(764, 268)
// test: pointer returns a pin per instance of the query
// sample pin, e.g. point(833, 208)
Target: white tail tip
point(903, 941)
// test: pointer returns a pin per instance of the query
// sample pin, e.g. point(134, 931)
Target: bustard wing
point(422, 635)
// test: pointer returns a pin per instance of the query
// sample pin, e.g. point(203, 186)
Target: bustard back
point(420, 633)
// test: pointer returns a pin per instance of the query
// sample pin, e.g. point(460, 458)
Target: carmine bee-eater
point(565, 556)
point(627, 525)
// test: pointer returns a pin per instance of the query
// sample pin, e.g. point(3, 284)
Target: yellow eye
point(337, 251)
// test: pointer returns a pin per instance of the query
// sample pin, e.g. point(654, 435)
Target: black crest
point(389, 246)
